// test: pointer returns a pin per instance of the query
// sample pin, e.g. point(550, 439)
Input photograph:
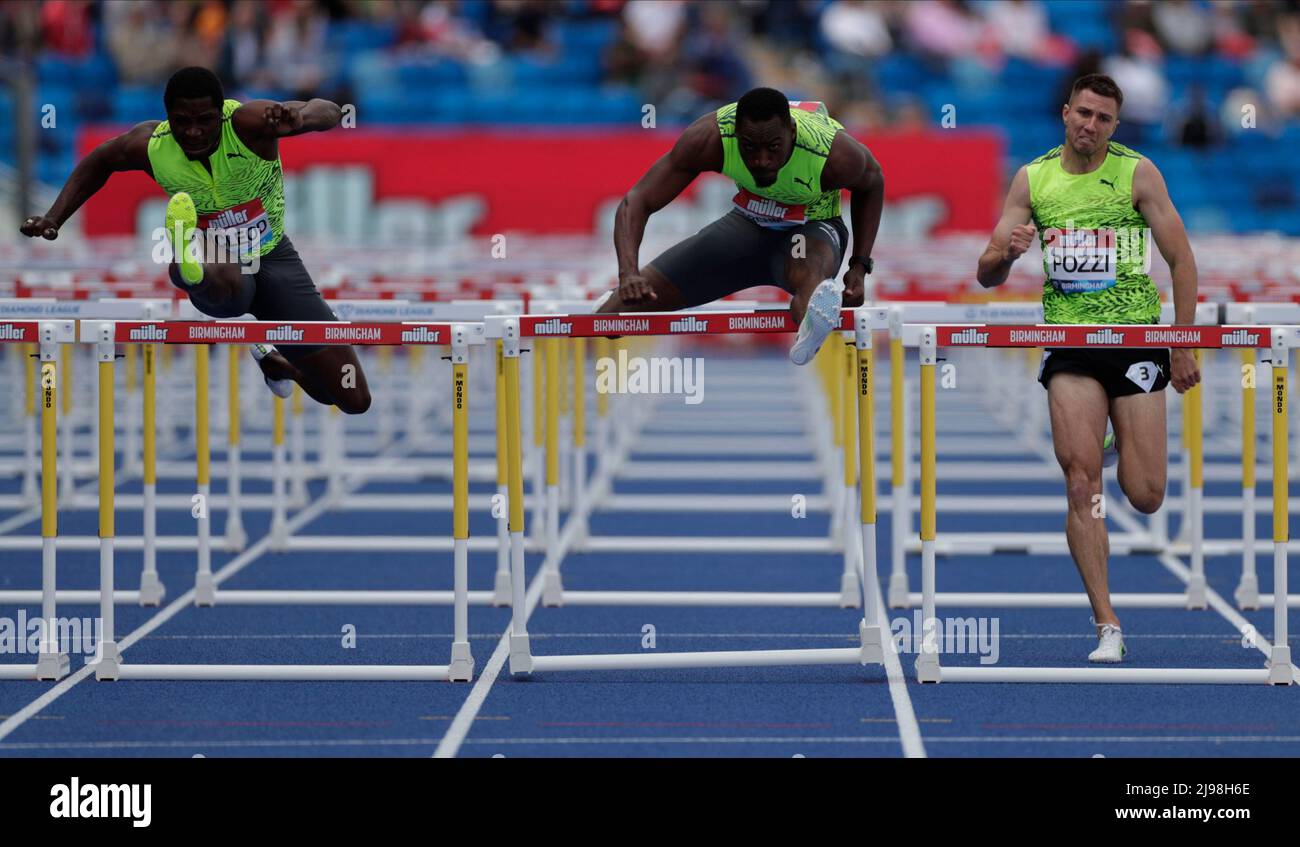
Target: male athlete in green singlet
point(1093, 203)
point(220, 162)
point(790, 161)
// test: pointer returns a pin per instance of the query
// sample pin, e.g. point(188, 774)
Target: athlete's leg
point(285, 292)
point(1140, 434)
point(814, 262)
point(667, 297)
point(1078, 407)
point(223, 292)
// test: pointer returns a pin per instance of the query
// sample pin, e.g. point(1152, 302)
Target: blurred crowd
point(690, 56)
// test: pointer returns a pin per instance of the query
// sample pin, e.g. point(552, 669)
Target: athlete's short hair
point(762, 104)
point(191, 83)
point(1099, 84)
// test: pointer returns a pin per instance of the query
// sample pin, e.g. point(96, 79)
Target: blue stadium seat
point(132, 104)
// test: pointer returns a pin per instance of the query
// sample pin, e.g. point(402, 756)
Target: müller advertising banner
point(366, 183)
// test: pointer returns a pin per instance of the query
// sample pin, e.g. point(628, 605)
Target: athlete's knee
point(353, 401)
point(1147, 495)
point(1081, 483)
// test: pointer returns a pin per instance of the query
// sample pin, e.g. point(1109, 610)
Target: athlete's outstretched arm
point(263, 119)
point(126, 152)
point(1151, 198)
point(1011, 237)
point(850, 165)
point(698, 149)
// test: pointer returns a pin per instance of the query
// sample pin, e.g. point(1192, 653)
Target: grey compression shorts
point(734, 253)
point(280, 290)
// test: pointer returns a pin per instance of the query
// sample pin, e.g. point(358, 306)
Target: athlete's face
point(1090, 121)
point(196, 125)
point(765, 147)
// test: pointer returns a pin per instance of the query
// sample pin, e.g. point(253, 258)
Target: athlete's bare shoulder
point(130, 150)
point(700, 145)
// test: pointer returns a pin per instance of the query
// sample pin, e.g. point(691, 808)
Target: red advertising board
point(542, 182)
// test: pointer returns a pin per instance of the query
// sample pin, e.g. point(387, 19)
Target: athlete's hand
point(1021, 237)
point(634, 288)
point(1183, 373)
point(283, 119)
point(40, 225)
point(854, 278)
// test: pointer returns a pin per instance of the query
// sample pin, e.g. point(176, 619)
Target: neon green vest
point(244, 192)
point(796, 197)
point(1096, 250)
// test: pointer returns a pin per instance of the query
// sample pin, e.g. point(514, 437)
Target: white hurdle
point(105, 335)
point(930, 338)
point(512, 331)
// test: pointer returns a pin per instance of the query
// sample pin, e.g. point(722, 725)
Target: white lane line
point(183, 601)
point(536, 636)
point(909, 731)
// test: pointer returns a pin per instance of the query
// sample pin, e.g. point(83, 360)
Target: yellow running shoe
point(181, 223)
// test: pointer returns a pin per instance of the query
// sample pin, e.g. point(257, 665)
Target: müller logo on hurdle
point(1105, 336)
point(554, 326)
point(284, 333)
point(970, 335)
point(420, 335)
point(149, 332)
point(688, 324)
point(9, 332)
point(1240, 338)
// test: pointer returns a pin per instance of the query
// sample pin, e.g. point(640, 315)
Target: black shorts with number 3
point(1120, 372)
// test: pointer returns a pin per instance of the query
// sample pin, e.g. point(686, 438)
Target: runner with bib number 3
point(1093, 204)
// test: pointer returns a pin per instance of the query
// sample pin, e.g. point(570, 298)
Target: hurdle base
point(899, 596)
point(1280, 671)
point(652, 660)
point(927, 666)
point(287, 673)
point(1247, 593)
point(501, 590)
point(873, 650)
point(850, 591)
point(51, 667)
point(205, 590)
point(107, 662)
point(521, 655)
point(552, 588)
point(152, 591)
point(236, 538)
point(461, 668)
point(1196, 596)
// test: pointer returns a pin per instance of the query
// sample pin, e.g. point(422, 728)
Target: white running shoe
point(1110, 646)
point(821, 319)
point(282, 388)
point(1109, 451)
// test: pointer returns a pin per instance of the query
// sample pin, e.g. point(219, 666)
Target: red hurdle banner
point(1124, 335)
point(19, 332)
point(665, 323)
point(274, 332)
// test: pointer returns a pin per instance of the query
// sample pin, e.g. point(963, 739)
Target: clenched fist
point(39, 225)
point(1021, 237)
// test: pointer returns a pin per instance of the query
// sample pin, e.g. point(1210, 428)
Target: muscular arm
point(260, 123)
point(698, 149)
point(1151, 198)
point(850, 165)
point(995, 263)
point(126, 152)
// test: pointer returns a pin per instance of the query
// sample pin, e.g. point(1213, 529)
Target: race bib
point(767, 212)
point(246, 225)
point(1080, 260)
